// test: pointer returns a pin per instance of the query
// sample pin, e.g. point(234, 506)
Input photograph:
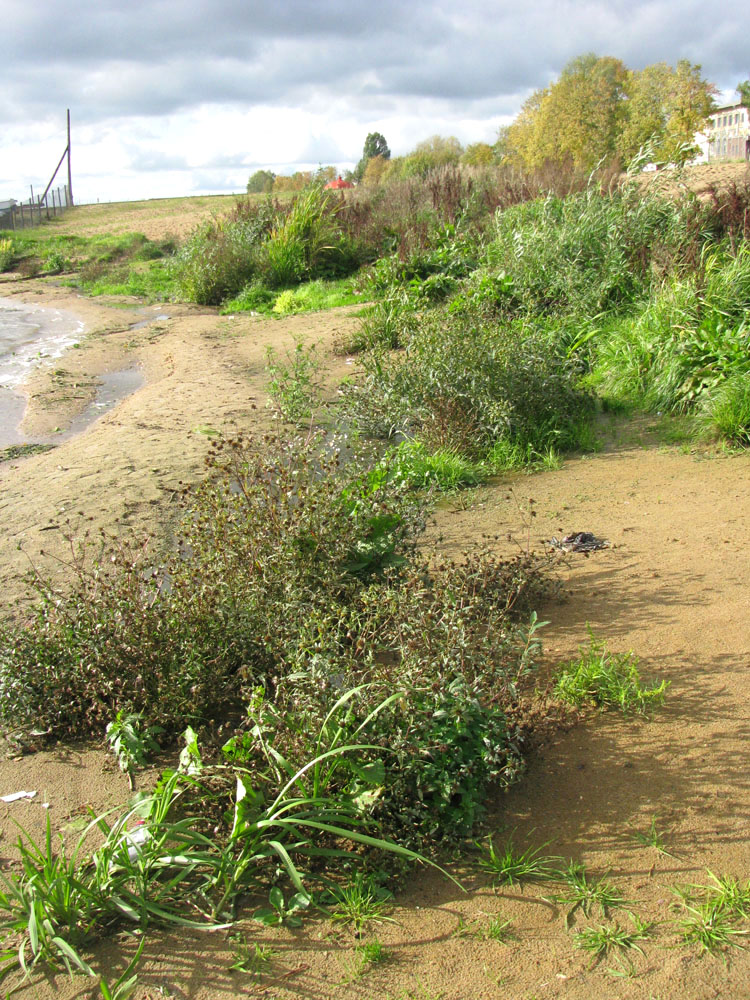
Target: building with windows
point(727, 135)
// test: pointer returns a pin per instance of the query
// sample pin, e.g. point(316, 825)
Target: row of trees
point(597, 111)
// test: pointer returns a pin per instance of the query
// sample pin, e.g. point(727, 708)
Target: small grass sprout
point(509, 866)
point(606, 938)
point(370, 952)
point(585, 893)
point(366, 954)
point(254, 959)
point(652, 838)
point(498, 930)
point(609, 680)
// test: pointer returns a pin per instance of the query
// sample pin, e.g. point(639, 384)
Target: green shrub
point(463, 383)
point(267, 540)
point(726, 411)
point(223, 256)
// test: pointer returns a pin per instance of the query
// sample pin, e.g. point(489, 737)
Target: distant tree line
point(597, 112)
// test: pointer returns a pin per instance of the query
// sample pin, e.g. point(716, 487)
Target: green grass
point(653, 838)
point(415, 466)
point(713, 915)
point(313, 296)
point(254, 959)
point(498, 930)
point(360, 902)
point(600, 941)
point(510, 866)
point(708, 925)
point(585, 893)
point(608, 680)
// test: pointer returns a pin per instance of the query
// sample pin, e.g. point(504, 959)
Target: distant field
point(156, 218)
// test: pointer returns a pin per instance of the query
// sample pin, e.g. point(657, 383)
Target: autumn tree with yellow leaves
point(599, 111)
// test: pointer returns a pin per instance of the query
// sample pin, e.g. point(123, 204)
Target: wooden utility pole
point(70, 181)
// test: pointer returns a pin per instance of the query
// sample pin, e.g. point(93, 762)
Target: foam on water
point(30, 335)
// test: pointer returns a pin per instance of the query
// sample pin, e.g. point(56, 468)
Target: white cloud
point(198, 93)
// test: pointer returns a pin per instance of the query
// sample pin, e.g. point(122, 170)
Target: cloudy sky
point(176, 97)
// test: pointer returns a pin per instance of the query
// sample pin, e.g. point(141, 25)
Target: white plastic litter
point(15, 796)
point(135, 839)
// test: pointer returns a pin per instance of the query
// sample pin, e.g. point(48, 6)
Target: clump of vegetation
point(297, 579)
point(511, 866)
point(462, 384)
point(713, 915)
point(7, 254)
point(609, 680)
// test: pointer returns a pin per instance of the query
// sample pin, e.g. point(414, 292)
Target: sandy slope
point(673, 587)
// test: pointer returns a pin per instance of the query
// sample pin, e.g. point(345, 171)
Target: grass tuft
point(609, 680)
point(509, 866)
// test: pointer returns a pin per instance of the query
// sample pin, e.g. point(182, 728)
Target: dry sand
point(673, 587)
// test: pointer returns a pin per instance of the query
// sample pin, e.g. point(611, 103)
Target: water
point(30, 336)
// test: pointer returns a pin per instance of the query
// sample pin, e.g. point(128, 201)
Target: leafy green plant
point(131, 744)
point(509, 866)
point(282, 910)
point(292, 385)
point(610, 680)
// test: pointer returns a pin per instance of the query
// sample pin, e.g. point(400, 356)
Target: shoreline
point(201, 374)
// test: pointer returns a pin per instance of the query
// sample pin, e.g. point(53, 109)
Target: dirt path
point(673, 588)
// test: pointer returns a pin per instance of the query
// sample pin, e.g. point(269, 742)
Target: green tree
point(599, 110)
point(743, 89)
point(261, 182)
point(478, 154)
point(430, 154)
point(373, 175)
point(666, 107)
point(375, 145)
point(576, 119)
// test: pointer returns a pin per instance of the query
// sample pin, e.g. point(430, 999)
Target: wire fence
point(24, 214)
